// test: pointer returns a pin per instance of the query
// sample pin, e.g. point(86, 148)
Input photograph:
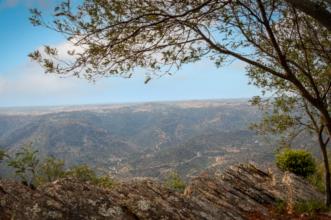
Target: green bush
point(34, 172)
point(86, 174)
point(50, 170)
point(280, 206)
point(317, 179)
point(2, 155)
point(174, 182)
point(310, 206)
point(82, 172)
point(104, 182)
point(25, 163)
point(299, 162)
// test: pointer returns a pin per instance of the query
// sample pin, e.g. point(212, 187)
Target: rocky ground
point(241, 192)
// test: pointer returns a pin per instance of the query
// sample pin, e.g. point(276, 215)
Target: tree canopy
point(115, 37)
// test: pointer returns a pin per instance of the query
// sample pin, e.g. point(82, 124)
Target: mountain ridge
point(135, 140)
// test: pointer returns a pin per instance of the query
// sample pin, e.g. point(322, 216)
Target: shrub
point(25, 163)
point(317, 179)
point(82, 172)
point(86, 174)
point(50, 170)
point(280, 206)
point(299, 162)
point(310, 206)
point(173, 181)
point(33, 172)
point(2, 155)
point(104, 182)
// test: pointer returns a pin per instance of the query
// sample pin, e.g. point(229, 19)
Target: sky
point(23, 82)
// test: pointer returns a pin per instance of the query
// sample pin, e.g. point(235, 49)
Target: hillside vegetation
point(149, 139)
point(139, 140)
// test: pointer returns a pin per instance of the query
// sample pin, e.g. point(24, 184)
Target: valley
point(141, 140)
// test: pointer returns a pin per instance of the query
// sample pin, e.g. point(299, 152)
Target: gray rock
point(238, 192)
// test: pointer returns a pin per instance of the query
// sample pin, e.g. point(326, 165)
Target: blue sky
point(23, 83)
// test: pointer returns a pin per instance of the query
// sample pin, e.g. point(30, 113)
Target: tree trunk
point(326, 160)
point(326, 173)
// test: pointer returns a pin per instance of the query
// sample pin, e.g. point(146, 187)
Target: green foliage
point(30, 170)
point(104, 182)
point(299, 162)
point(2, 155)
point(174, 181)
point(317, 179)
point(310, 206)
point(25, 163)
point(116, 37)
point(280, 206)
point(82, 172)
point(51, 169)
point(86, 174)
point(282, 119)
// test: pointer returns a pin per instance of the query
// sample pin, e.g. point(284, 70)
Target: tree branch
point(315, 10)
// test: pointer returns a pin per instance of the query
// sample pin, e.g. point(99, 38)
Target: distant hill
point(148, 139)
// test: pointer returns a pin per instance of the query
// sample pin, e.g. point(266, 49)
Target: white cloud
point(31, 80)
point(28, 85)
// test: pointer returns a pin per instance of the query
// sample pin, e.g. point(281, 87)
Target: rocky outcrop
point(69, 199)
point(244, 189)
point(240, 191)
